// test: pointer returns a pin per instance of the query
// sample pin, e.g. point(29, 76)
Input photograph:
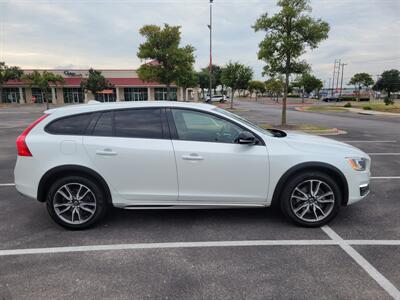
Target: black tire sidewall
point(297, 179)
point(101, 203)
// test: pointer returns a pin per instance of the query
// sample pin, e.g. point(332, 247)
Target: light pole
point(210, 65)
point(341, 81)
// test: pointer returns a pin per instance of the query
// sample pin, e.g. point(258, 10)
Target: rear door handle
point(106, 152)
point(192, 156)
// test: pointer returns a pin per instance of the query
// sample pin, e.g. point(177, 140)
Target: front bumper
point(359, 187)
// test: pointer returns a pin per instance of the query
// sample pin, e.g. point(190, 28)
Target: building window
point(161, 94)
point(10, 95)
point(37, 96)
point(136, 94)
point(73, 95)
point(108, 95)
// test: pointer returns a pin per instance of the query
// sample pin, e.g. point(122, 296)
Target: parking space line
point(385, 177)
point(205, 244)
point(388, 153)
point(141, 246)
point(7, 184)
point(374, 242)
point(389, 287)
point(389, 141)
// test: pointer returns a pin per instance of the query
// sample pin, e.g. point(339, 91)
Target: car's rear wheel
point(311, 199)
point(76, 202)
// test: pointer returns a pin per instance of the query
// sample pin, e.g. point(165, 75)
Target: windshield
point(243, 120)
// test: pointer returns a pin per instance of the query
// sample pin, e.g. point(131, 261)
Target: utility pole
point(210, 66)
point(338, 73)
point(333, 77)
point(341, 81)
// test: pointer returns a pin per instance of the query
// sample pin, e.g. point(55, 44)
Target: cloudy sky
point(365, 34)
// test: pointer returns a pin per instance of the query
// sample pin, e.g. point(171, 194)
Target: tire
point(76, 213)
point(311, 209)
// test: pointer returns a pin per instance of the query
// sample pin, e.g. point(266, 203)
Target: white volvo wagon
point(81, 159)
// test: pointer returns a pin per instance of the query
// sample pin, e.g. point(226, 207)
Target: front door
point(136, 157)
point(212, 167)
point(75, 97)
point(14, 97)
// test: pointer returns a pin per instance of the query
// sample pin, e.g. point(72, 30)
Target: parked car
point(331, 99)
point(82, 159)
point(216, 98)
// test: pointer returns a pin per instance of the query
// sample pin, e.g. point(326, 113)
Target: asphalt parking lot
point(209, 254)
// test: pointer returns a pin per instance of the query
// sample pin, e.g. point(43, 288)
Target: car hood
point(316, 144)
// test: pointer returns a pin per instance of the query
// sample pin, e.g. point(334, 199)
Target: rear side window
point(72, 125)
point(139, 123)
point(104, 125)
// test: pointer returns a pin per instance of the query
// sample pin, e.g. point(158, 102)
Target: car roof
point(101, 106)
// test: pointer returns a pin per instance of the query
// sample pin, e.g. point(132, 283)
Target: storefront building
point(127, 87)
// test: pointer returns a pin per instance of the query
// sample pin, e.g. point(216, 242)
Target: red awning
point(76, 82)
point(105, 92)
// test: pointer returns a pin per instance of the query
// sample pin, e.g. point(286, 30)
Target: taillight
point(22, 147)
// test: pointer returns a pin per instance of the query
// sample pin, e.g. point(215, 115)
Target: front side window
point(73, 125)
point(203, 127)
point(139, 123)
point(241, 119)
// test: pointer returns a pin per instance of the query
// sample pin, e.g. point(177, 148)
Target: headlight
point(358, 164)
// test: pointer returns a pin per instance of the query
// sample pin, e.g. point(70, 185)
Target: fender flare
point(53, 174)
point(315, 165)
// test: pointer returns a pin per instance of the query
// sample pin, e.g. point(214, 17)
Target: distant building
point(127, 87)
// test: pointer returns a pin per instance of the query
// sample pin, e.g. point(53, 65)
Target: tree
point(95, 82)
point(388, 82)
point(216, 76)
point(288, 34)
point(236, 76)
point(42, 81)
point(257, 87)
point(361, 80)
point(162, 46)
point(275, 86)
point(186, 80)
point(8, 73)
point(202, 81)
point(308, 83)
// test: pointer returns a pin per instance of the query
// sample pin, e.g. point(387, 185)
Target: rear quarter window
point(71, 125)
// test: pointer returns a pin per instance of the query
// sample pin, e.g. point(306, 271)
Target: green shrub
point(348, 104)
point(367, 107)
point(388, 101)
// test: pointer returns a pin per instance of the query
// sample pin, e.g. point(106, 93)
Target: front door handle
point(192, 156)
point(106, 152)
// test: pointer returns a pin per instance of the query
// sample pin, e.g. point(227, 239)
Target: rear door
point(131, 148)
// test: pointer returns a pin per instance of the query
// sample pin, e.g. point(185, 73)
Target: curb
point(332, 131)
point(370, 112)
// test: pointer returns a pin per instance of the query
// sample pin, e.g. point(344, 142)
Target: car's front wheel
point(76, 202)
point(311, 199)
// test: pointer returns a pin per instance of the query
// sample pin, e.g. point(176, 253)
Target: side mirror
point(246, 138)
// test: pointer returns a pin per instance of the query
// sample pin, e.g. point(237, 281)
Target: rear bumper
point(25, 177)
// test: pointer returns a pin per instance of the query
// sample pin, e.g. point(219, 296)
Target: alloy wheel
point(312, 200)
point(74, 203)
